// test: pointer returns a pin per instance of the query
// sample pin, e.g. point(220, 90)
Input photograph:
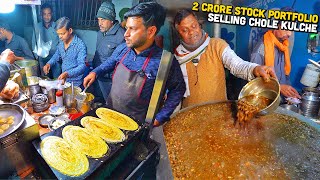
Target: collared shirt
point(73, 59)
point(19, 46)
point(5, 74)
point(46, 35)
point(175, 84)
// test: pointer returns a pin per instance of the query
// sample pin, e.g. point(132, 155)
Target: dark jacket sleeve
point(176, 88)
point(4, 74)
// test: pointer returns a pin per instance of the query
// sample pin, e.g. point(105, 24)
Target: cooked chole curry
point(203, 143)
point(60, 155)
point(84, 141)
point(100, 128)
point(117, 119)
point(249, 106)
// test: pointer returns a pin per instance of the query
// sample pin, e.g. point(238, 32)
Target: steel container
point(270, 90)
point(84, 105)
point(30, 66)
point(34, 89)
point(310, 104)
point(51, 94)
point(311, 89)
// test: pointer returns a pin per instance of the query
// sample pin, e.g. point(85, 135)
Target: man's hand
point(8, 55)
point(289, 91)
point(88, 80)
point(265, 72)
point(156, 123)
point(63, 77)
point(46, 69)
point(10, 91)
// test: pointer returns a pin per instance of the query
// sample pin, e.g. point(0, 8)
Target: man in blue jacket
point(108, 38)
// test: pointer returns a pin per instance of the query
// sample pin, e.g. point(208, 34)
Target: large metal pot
point(205, 136)
point(270, 90)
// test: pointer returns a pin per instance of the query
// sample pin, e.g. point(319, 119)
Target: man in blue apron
point(135, 64)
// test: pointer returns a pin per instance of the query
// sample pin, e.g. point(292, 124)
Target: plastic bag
point(42, 49)
point(52, 84)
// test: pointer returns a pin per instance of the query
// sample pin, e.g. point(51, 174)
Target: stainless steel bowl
point(270, 90)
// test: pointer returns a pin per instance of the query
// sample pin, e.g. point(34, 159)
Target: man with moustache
point(203, 59)
point(108, 38)
point(273, 50)
point(135, 64)
point(72, 51)
point(47, 33)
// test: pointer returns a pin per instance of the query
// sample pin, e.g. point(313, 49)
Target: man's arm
point(82, 54)
point(5, 74)
point(176, 87)
point(236, 65)
point(54, 59)
point(109, 62)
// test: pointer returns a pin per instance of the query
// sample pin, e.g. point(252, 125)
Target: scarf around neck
point(270, 41)
point(184, 56)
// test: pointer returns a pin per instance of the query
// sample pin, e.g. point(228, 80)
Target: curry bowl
point(267, 89)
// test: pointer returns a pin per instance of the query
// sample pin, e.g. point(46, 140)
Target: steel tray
point(94, 163)
point(14, 110)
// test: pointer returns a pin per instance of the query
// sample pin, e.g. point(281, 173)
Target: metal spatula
point(82, 95)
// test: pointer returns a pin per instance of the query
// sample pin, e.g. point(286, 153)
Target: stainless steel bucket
point(51, 94)
point(30, 66)
point(310, 104)
point(34, 89)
